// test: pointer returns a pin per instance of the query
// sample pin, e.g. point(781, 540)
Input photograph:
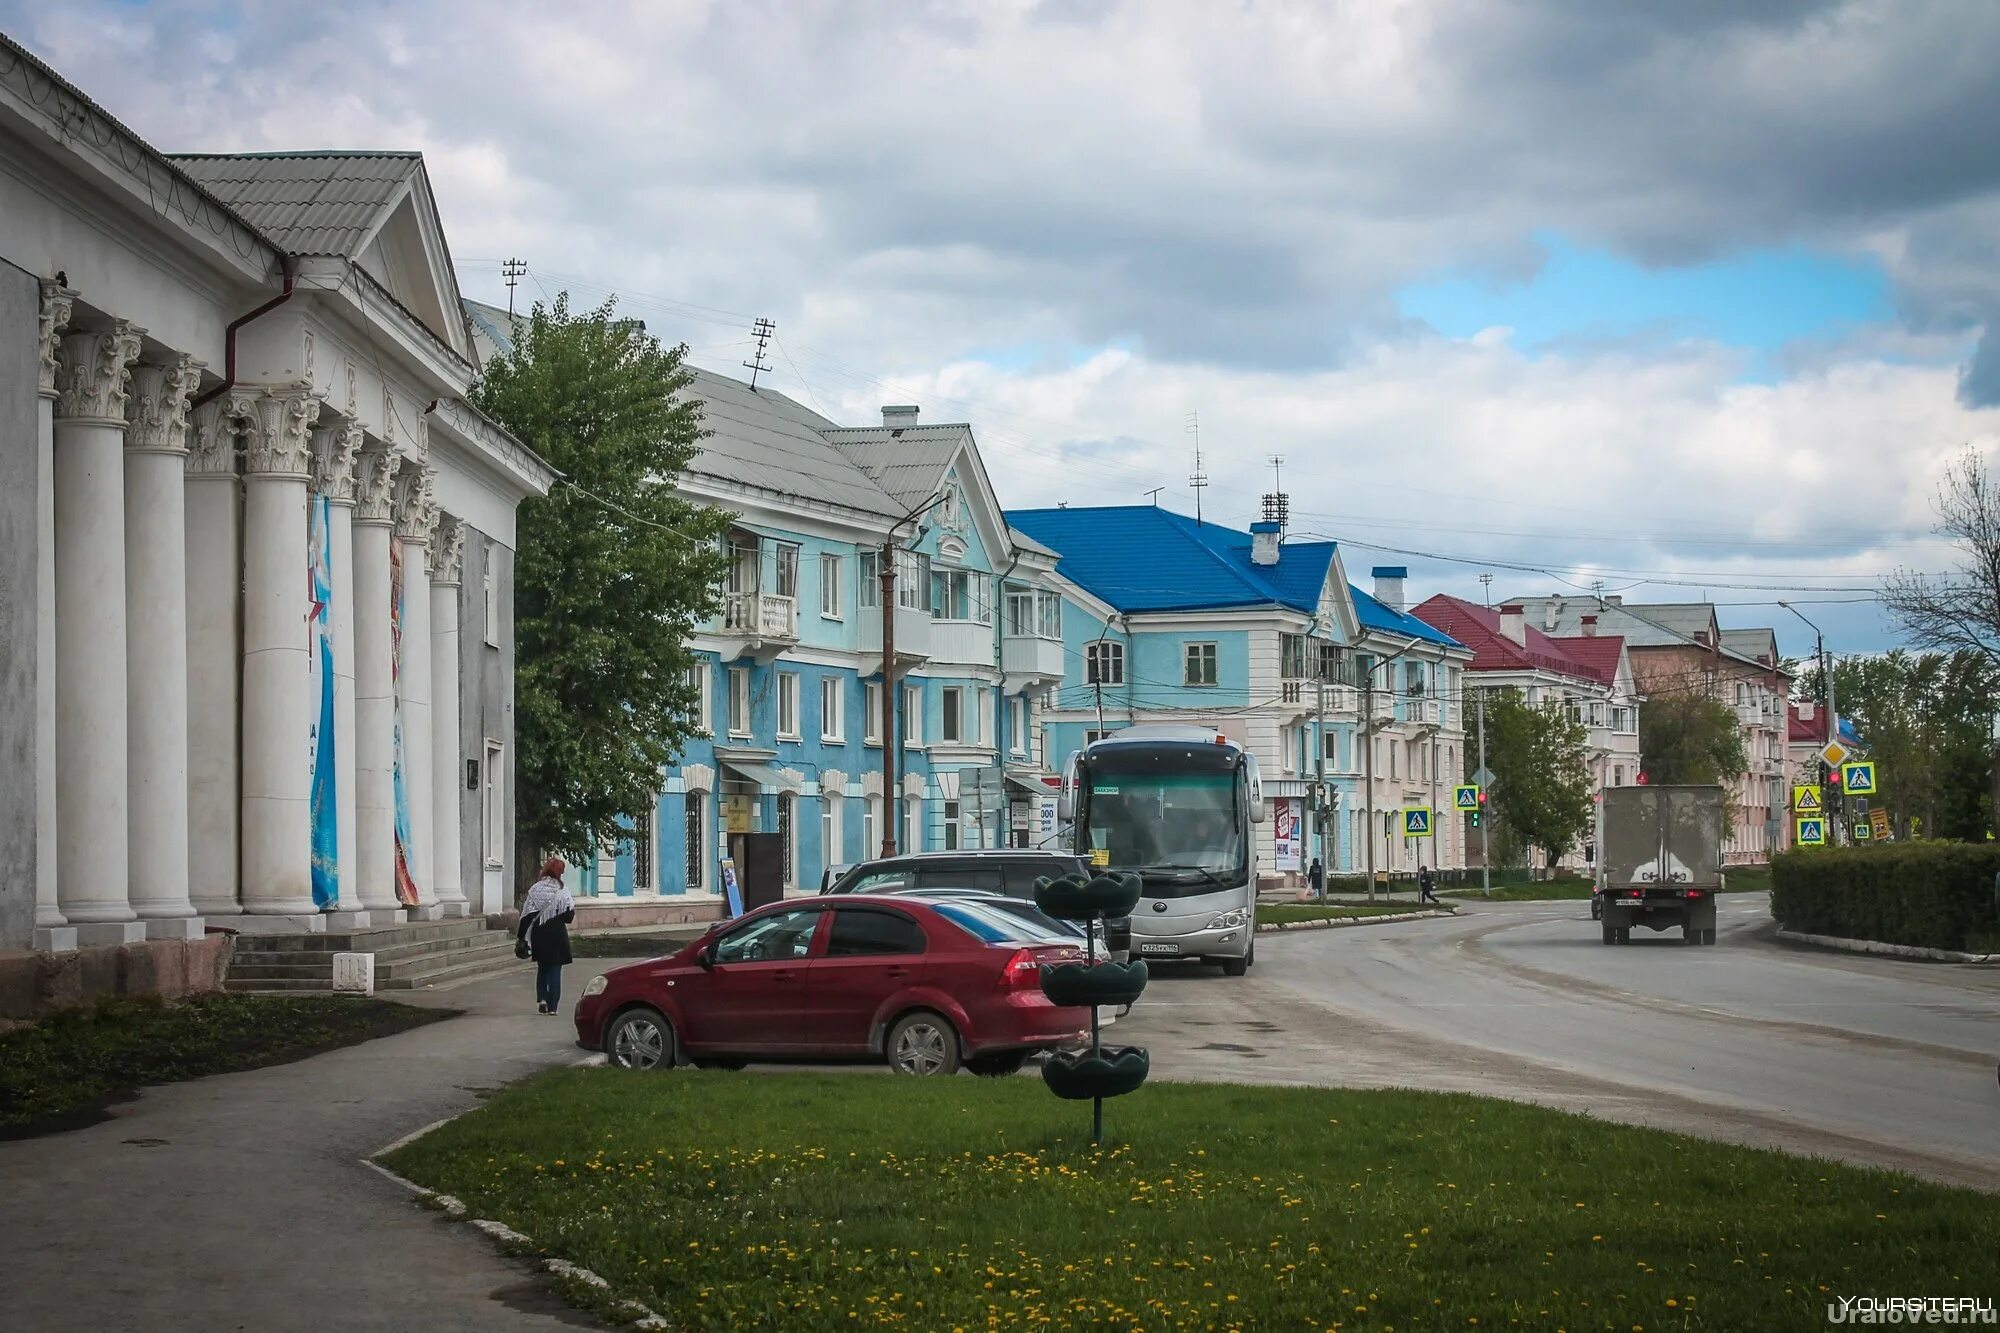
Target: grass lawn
point(60, 1072)
point(812, 1201)
point(1269, 913)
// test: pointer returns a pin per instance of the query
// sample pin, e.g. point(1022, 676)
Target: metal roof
point(909, 462)
point(311, 203)
point(762, 438)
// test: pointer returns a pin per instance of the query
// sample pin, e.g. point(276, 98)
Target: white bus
point(1175, 806)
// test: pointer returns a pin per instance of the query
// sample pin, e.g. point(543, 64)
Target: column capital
point(156, 413)
point(336, 449)
point(211, 440)
point(416, 504)
point(57, 302)
point(93, 373)
point(447, 551)
point(277, 428)
point(375, 486)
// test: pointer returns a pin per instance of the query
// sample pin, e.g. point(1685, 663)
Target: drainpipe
point(1000, 750)
point(291, 271)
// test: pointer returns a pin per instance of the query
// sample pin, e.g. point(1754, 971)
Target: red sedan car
point(928, 986)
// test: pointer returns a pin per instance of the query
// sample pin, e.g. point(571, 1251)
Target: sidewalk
point(240, 1202)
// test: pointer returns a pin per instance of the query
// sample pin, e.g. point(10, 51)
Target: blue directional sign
point(1811, 832)
point(1859, 779)
point(1417, 822)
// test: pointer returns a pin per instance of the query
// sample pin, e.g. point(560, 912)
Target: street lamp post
point(1826, 685)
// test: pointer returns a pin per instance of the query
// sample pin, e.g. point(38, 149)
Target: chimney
point(1590, 627)
point(1264, 542)
point(1389, 585)
point(1514, 623)
point(898, 417)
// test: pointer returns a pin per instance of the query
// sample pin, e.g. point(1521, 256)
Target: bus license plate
point(1159, 948)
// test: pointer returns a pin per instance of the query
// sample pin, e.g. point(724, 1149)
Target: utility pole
point(1368, 765)
point(1832, 713)
point(512, 270)
point(763, 331)
point(1485, 833)
point(1319, 767)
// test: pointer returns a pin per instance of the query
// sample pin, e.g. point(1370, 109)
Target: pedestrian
point(1316, 876)
point(544, 930)
point(1426, 884)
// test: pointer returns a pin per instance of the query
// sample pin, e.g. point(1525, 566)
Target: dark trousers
point(548, 983)
point(1424, 893)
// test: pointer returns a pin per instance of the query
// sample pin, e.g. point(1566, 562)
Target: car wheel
point(923, 1044)
point(640, 1039)
point(1708, 936)
point(998, 1065)
point(1610, 935)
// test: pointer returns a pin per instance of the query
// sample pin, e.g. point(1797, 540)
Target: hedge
point(1936, 895)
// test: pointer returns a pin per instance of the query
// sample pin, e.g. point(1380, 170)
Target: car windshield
point(1181, 830)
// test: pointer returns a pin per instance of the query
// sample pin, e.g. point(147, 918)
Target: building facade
point(256, 688)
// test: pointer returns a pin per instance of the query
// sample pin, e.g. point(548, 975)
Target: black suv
point(1008, 871)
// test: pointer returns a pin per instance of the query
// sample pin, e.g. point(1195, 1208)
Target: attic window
point(896, 434)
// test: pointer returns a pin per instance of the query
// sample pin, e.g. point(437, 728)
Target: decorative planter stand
point(1102, 1071)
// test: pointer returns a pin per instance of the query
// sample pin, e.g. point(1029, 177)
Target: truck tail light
point(1694, 893)
point(1635, 893)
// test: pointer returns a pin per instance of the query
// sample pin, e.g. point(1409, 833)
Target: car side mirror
point(705, 957)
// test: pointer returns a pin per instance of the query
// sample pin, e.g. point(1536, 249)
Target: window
point(489, 591)
point(739, 701)
point(950, 714)
point(788, 843)
point(1020, 611)
point(871, 711)
point(913, 717)
point(832, 722)
point(1200, 664)
point(871, 815)
point(779, 937)
point(951, 818)
point(786, 556)
point(913, 581)
point(494, 804)
point(1104, 663)
point(788, 704)
point(830, 840)
point(1017, 725)
point(868, 569)
point(860, 932)
point(696, 679)
point(829, 587)
point(1618, 775)
point(1092, 736)
point(960, 594)
point(914, 840)
point(642, 853)
point(695, 836)
point(1413, 679)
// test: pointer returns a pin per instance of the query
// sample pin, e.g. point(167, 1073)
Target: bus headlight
point(1234, 917)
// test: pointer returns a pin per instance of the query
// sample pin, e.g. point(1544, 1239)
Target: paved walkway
point(240, 1202)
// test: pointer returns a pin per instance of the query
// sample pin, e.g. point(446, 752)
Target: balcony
point(960, 642)
point(1338, 700)
point(1421, 712)
point(913, 636)
point(1028, 660)
point(1382, 707)
point(763, 624)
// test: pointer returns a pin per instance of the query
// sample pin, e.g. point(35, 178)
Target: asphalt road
point(1876, 1061)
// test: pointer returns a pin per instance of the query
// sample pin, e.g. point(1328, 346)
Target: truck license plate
point(1159, 948)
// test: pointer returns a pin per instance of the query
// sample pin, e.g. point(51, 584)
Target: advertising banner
point(319, 666)
point(1287, 819)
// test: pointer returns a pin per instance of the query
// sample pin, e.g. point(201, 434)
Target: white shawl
point(547, 899)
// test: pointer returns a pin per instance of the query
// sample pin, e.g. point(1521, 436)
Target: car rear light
point(1023, 969)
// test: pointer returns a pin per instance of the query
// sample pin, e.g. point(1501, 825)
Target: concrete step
point(372, 940)
point(385, 951)
point(461, 971)
point(431, 958)
point(422, 964)
point(236, 983)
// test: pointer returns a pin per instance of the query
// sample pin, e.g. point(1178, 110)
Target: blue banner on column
point(325, 815)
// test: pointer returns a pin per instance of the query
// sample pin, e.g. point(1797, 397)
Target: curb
point(1886, 950)
point(1334, 923)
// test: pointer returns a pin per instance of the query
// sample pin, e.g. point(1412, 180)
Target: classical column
point(416, 520)
point(51, 930)
point(214, 577)
point(276, 776)
point(374, 687)
point(447, 754)
point(156, 645)
point(335, 453)
point(92, 380)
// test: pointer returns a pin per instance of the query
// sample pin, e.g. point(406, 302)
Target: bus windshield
point(1182, 830)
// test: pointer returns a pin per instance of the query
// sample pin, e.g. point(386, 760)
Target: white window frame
point(951, 715)
point(913, 717)
point(832, 600)
point(739, 695)
point(1197, 651)
point(1104, 663)
point(490, 592)
point(694, 812)
point(871, 827)
point(785, 569)
point(788, 706)
point(699, 676)
point(831, 848)
point(868, 573)
point(913, 832)
point(493, 804)
point(871, 712)
point(1017, 725)
point(833, 720)
point(953, 812)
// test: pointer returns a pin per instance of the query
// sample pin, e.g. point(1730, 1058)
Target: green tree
point(1541, 780)
point(1688, 737)
point(613, 570)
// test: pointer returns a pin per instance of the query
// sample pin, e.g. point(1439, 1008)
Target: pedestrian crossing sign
point(1806, 800)
point(1417, 823)
point(1863, 831)
point(1468, 796)
point(1859, 779)
point(1812, 832)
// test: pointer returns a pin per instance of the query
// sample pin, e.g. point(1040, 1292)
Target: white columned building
point(52, 930)
point(416, 519)
point(336, 454)
point(447, 557)
point(374, 685)
point(214, 606)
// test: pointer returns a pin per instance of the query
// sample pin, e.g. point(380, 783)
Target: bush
point(1935, 895)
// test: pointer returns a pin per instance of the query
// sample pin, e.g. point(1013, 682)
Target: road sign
point(1806, 800)
point(1863, 831)
point(979, 784)
point(1811, 831)
point(1643, 780)
point(1417, 822)
point(1467, 796)
point(1859, 779)
point(1878, 820)
point(1833, 752)
point(1481, 776)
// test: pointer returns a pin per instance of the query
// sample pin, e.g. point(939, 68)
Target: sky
point(1678, 300)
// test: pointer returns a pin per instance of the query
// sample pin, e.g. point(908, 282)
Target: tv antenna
point(1486, 590)
point(763, 331)
point(1197, 480)
point(1154, 495)
point(512, 270)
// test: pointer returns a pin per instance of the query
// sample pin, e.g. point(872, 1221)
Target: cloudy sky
point(1685, 303)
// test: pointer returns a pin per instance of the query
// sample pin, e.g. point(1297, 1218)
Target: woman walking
point(544, 929)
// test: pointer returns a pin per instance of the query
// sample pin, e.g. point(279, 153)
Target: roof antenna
point(512, 270)
point(1597, 587)
point(763, 331)
point(1154, 495)
point(1277, 505)
point(1486, 590)
point(1197, 480)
